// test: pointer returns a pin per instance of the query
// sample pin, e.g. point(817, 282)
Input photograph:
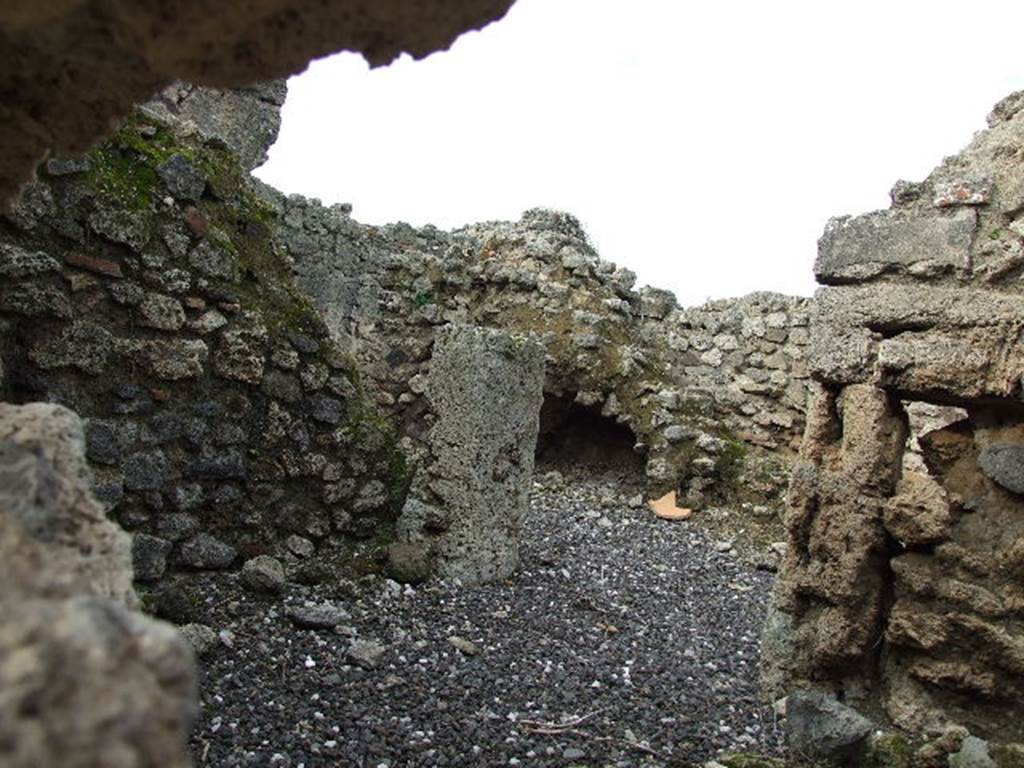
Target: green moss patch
point(123, 170)
point(1009, 755)
point(747, 760)
point(891, 750)
point(729, 464)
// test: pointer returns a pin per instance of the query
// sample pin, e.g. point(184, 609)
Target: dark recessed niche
point(579, 439)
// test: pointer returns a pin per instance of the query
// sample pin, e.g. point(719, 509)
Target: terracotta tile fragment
point(666, 508)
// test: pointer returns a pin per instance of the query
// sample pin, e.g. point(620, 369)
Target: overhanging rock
point(70, 68)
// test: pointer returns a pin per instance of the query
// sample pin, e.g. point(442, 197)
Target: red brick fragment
point(93, 264)
point(197, 221)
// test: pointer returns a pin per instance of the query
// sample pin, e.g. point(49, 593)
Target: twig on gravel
point(625, 742)
point(540, 726)
point(571, 728)
point(591, 737)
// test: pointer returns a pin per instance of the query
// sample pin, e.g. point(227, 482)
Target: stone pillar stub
point(829, 598)
point(469, 502)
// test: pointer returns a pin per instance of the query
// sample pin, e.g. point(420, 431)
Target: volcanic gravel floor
point(623, 640)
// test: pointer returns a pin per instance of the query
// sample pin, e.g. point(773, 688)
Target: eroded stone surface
point(56, 539)
point(900, 586)
point(85, 680)
point(88, 682)
point(486, 388)
point(853, 250)
point(246, 119)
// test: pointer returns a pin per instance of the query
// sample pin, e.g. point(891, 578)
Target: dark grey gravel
point(316, 615)
point(634, 628)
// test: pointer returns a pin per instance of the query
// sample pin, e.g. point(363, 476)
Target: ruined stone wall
point(749, 355)
point(86, 680)
point(141, 285)
point(221, 419)
point(696, 386)
point(902, 590)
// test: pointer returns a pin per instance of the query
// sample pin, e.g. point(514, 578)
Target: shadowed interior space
point(577, 440)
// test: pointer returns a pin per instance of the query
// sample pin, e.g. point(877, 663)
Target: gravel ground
point(623, 641)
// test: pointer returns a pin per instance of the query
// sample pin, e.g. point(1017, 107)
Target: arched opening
point(578, 441)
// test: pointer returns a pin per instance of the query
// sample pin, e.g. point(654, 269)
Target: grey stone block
point(182, 179)
point(820, 726)
point(317, 615)
point(1004, 464)
point(177, 526)
point(145, 471)
point(855, 249)
point(107, 439)
point(206, 552)
point(263, 574)
point(408, 563)
point(149, 556)
point(973, 753)
point(327, 410)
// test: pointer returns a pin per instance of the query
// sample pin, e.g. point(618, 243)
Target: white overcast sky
point(703, 145)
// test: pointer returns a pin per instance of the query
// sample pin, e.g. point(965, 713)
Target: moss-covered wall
point(143, 286)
